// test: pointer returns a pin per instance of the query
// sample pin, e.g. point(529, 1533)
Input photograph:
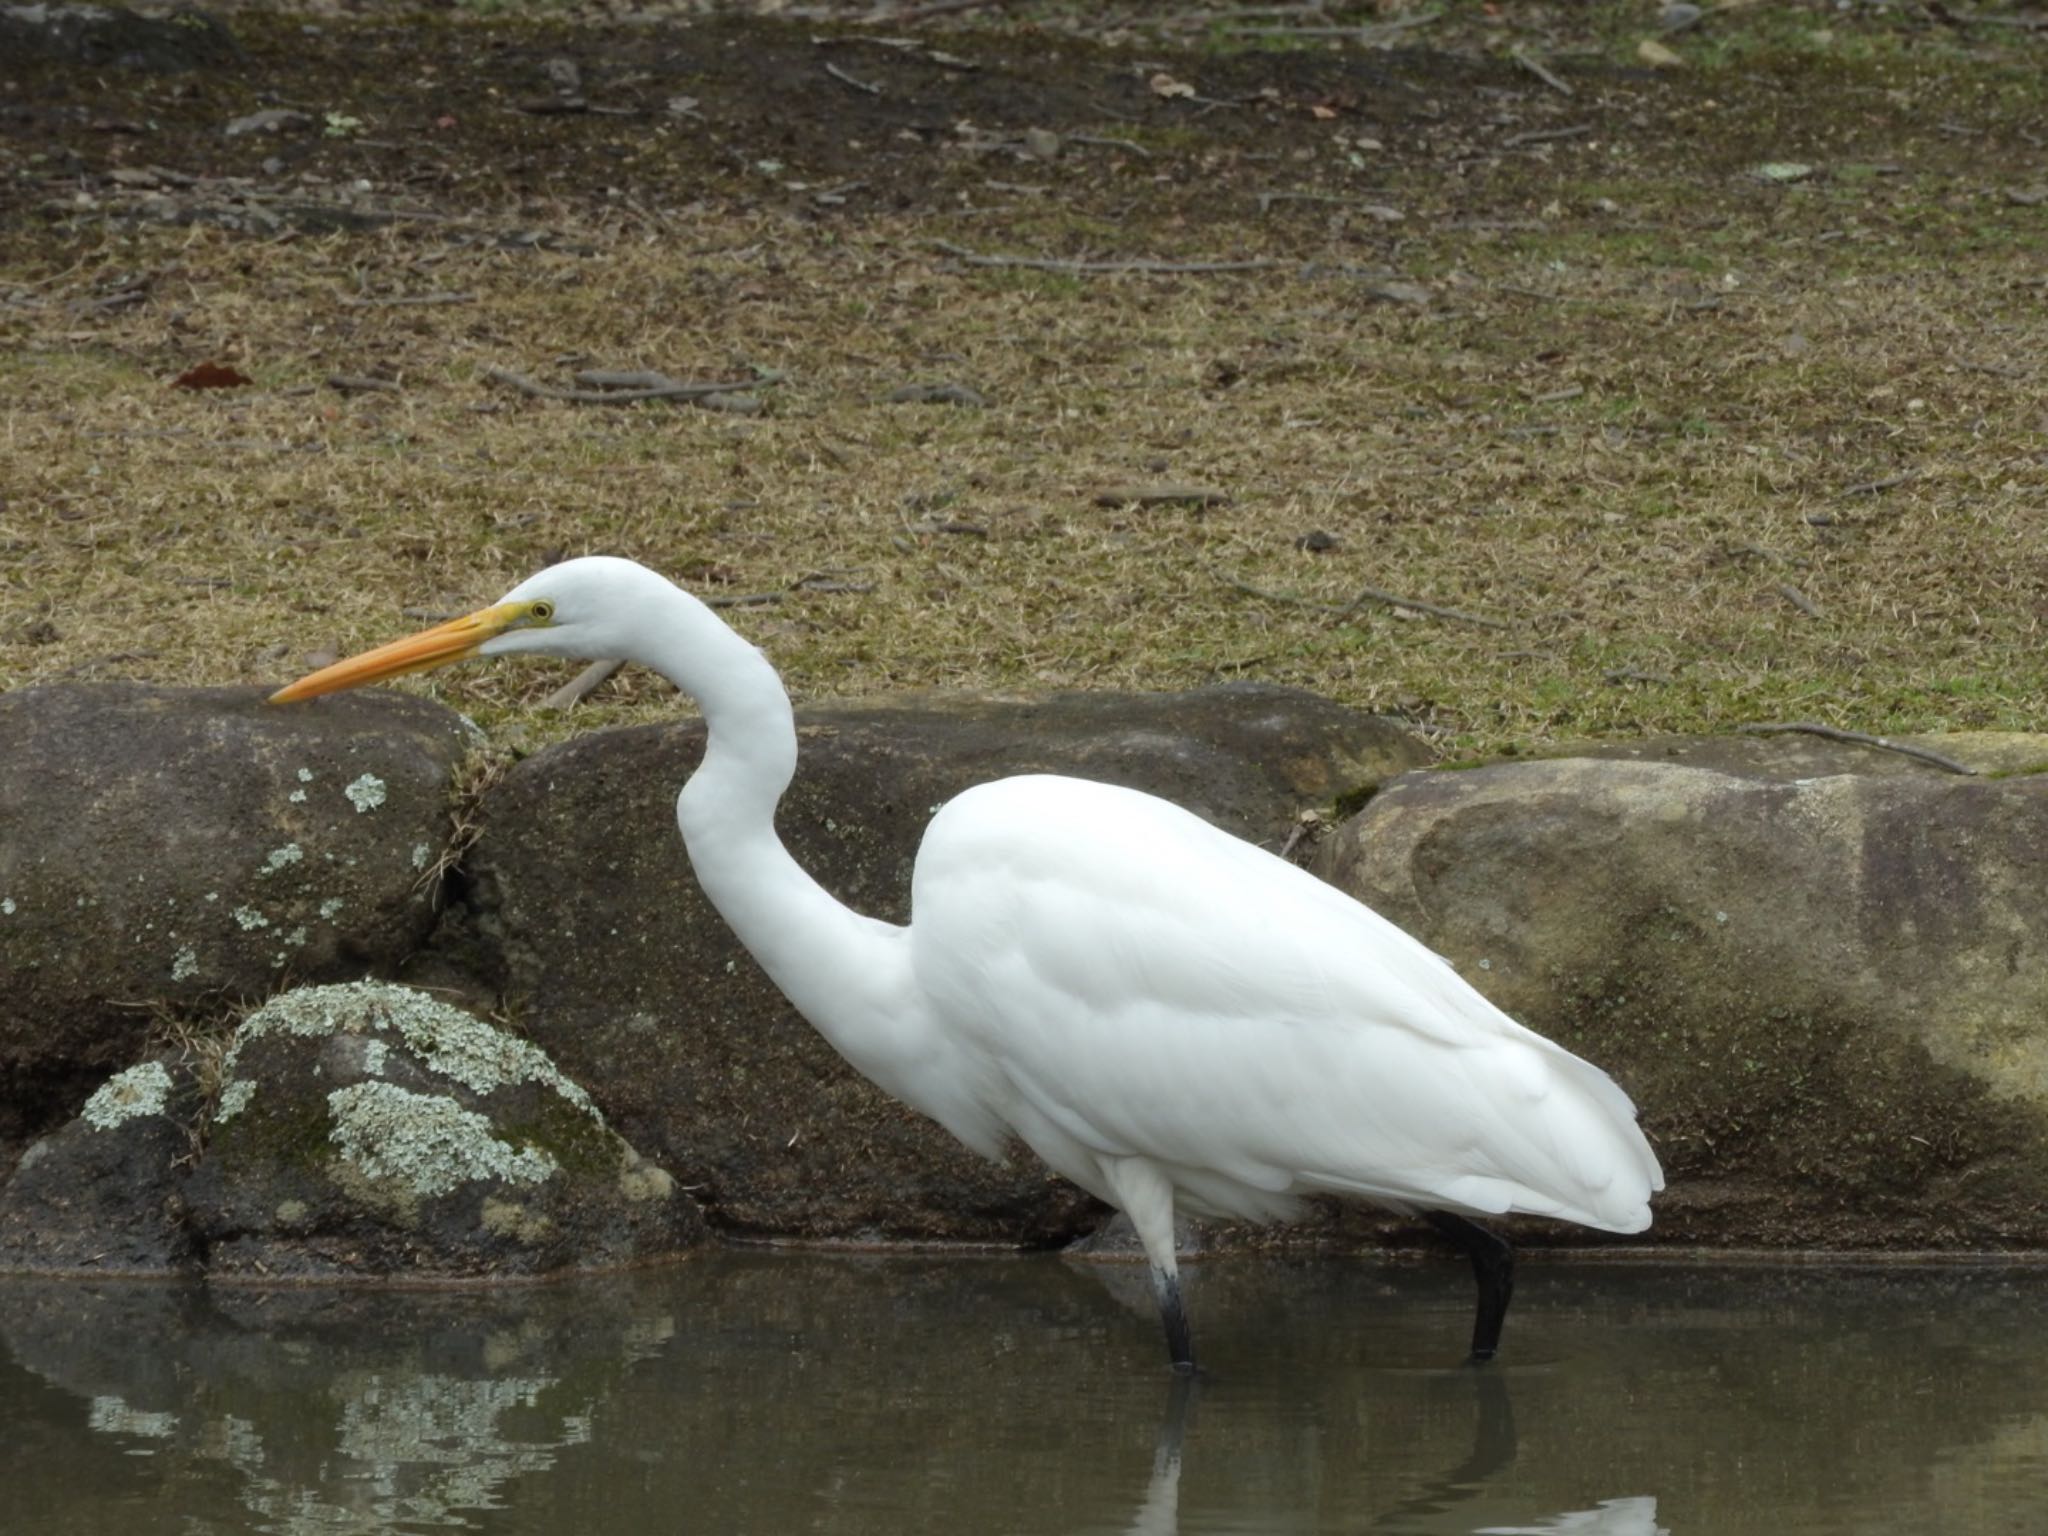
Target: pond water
point(768, 1392)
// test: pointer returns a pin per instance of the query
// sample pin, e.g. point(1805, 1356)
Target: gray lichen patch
point(280, 858)
point(366, 793)
point(447, 1040)
point(234, 1098)
point(143, 1090)
point(425, 1142)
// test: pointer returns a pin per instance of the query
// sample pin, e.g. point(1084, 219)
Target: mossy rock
point(370, 1130)
point(102, 1195)
point(1828, 995)
point(181, 846)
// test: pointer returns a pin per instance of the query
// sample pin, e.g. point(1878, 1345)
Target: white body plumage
point(1166, 1014)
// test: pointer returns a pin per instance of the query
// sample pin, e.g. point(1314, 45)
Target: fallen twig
point(1161, 496)
point(1104, 141)
point(1138, 265)
point(742, 600)
point(582, 685)
point(350, 383)
point(399, 300)
point(1545, 135)
point(1365, 595)
point(845, 79)
point(1382, 32)
point(1858, 738)
point(1799, 600)
point(1381, 210)
point(725, 395)
point(936, 8)
point(1375, 595)
point(1541, 71)
point(1872, 487)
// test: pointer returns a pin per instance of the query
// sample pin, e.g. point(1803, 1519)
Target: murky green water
point(782, 1393)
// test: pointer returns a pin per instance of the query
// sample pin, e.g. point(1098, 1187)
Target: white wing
point(1152, 986)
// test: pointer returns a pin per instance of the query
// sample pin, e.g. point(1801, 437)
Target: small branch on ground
point(1138, 265)
point(1104, 141)
point(1383, 32)
point(1858, 738)
point(582, 685)
point(1798, 599)
point(1545, 135)
point(919, 13)
point(1872, 487)
point(1161, 496)
point(1365, 595)
point(1541, 71)
point(1388, 599)
point(351, 384)
point(1268, 199)
point(845, 79)
point(400, 300)
point(724, 395)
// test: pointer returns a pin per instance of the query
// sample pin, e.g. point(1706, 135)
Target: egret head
point(581, 608)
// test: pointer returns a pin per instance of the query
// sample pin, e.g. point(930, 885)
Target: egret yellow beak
point(457, 640)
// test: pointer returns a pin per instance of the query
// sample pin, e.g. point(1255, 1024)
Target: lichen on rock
point(371, 1129)
point(141, 1090)
point(366, 793)
point(426, 1141)
point(447, 1040)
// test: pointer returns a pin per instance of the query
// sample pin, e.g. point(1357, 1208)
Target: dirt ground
point(1663, 396)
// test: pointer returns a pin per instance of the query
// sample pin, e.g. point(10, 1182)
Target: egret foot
point(1493, 1266)
point(1180, 1344)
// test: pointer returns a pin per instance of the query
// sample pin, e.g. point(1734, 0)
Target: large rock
point(584, 904)
point(371, 1130)
point(177, 847)
point(1829, 995)
point(101, 1196)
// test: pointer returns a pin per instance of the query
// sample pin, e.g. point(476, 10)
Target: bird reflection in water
point(1433, 1507)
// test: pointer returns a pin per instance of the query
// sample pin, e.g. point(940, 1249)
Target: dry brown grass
point(1741, 355)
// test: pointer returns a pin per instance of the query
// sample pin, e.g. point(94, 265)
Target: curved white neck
point(844, 972)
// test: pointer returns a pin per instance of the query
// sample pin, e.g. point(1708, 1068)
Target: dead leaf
point(1321, 112)
point(1657, 56)
point(210, 376)
point(1164, 84)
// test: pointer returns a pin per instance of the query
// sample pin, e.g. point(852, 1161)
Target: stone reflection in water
point(331, 1411)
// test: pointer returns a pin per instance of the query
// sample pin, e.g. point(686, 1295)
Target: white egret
point(1167, 1015)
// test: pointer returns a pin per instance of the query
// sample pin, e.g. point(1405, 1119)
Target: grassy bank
point(1702, 443)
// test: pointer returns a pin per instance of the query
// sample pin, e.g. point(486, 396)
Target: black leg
point(1493, 1266)
point(1180, 1344)
point(1493, 1451)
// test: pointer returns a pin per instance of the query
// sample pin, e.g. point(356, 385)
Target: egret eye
point(542, 611)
